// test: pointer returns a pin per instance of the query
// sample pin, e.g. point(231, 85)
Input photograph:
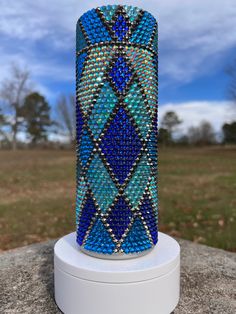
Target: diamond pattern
point(87, 214)
point(99, 240)
point(80, 195)
point(80, 65)
point(135, 103)
point(121, 145)
point(79, 122)
point(152, 147)
point(95, 69)
point(101, 183)
point(116, 112)
point(145, 67)
point(137, 239)
point(120, 27)
point(86, 147)
point(154, 195)
point(144, 30)
point(120, 217)
point(120, 74)
point(149, 216)
point(102, 109)
point(132, 12)
point(108, 11)
point(95, 29)
point(138, 182)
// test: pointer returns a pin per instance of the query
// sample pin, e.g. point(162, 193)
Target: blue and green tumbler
point(116, 109)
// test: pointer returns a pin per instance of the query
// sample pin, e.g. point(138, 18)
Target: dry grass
point(196, 188)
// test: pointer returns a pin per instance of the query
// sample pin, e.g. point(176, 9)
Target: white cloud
point(41, 70)
point(19, 20)
point(195, 35)
point(194, 112)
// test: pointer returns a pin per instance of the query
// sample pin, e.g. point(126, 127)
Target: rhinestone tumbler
point(116, 112)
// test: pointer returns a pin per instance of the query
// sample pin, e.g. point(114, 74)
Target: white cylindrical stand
point(88, 285)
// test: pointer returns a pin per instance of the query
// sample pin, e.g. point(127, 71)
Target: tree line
point(24, 111)
point(203, 134)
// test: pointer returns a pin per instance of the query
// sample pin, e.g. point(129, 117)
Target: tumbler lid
point(164, 258)
point(116, 24)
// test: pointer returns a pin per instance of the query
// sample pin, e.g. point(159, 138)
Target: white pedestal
point(143, 285)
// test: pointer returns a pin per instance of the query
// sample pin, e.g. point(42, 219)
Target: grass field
point(197, 191)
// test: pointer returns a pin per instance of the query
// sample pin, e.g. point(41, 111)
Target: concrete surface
point(208, 280)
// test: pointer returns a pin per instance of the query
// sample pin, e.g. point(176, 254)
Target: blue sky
point(197, 41)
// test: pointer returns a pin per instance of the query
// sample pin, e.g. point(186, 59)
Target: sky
point(197, 42)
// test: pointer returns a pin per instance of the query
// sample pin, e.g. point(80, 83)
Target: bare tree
point(194, 135)
point(66, 115)
point(204, 134)
point(207, 133)
point(12, 92)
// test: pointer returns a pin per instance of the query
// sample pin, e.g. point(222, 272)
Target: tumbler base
point(117, 256)
point(88, 285)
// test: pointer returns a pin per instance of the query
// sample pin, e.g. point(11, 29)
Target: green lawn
point(196, 190)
